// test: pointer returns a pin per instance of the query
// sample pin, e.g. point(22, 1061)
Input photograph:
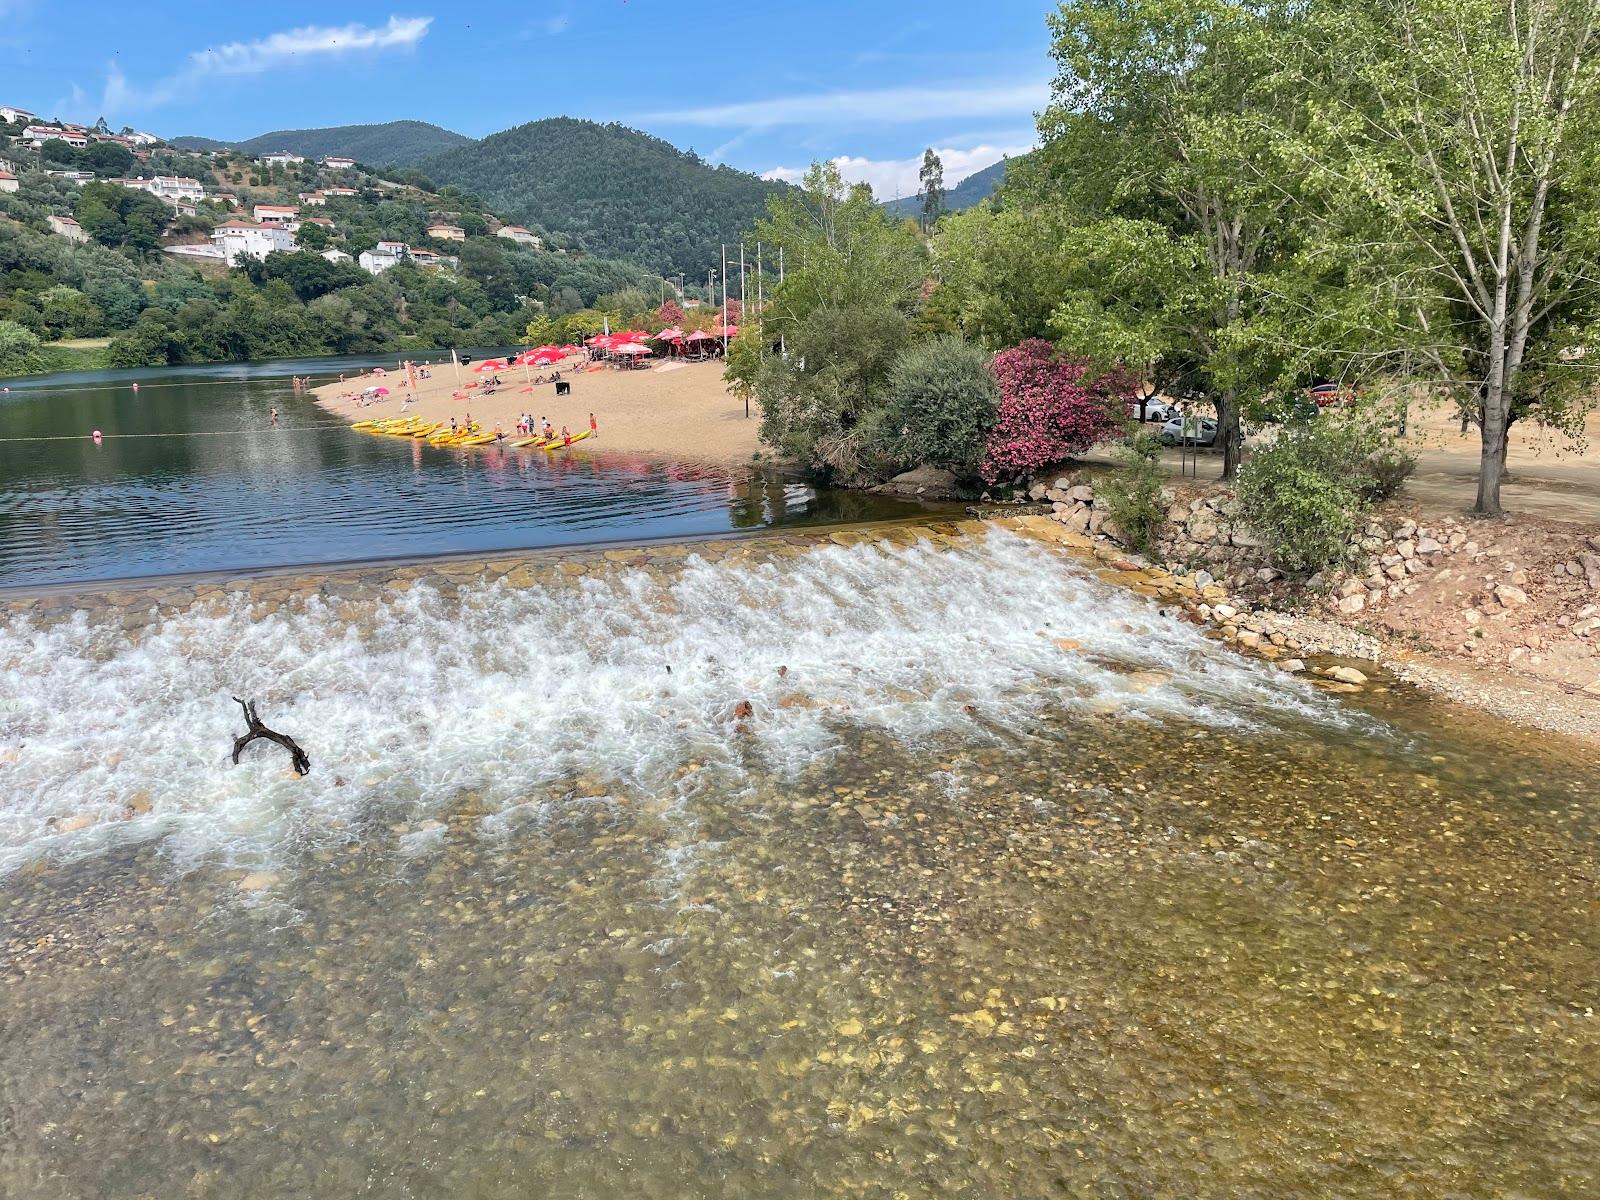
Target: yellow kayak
point(558, 444)
point(477, 439)
point(534, 443)
point(424, 430)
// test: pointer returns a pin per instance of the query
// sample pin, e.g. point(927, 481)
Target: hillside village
point(176, 225)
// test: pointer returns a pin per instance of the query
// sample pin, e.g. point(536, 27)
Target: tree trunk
point(1505, 449)
point(1228, 433)
point(1492, 460)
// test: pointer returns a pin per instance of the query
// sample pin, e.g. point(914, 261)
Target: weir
point(816, 863)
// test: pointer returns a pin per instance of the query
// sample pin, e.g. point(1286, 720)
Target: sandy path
point(680, 412)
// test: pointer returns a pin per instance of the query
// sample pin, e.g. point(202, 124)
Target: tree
point(942, 400)
point(1184, 115)
point(1460, 160)
point(122, 217)
point(853, 278)
point(107, 159)
point(1051, 408)
point(932, 188)
point(19, 350)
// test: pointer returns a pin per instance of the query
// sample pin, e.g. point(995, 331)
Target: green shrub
point(20, 352)
point(1133, 492)
point(1388, 468)
point(1304, 494)
point(942, 402)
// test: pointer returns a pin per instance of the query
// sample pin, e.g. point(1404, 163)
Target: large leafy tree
point(852, 280)
point(1173, 145)
point(1459, 161)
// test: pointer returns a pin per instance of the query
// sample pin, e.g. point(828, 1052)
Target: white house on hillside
point(8, 182)
point(10, 113)
point(280, 158)
point(37, 135)
point(276, 214)
point(383, 256)
point(140, 138)
point(337, 162)
point(444, 231)
point(241, 239)
point(312, 199)
point(67, 228)
point(519, 235)
point(340, 191)
point(334, 255)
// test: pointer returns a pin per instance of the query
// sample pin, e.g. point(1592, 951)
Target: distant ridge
point(619, 192)
point(394, 143)
point(974, 189)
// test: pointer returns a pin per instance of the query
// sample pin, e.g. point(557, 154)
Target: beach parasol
point(670, 335)
point(569, 349)
point(634, 348)
point(380, 391)
point(699, 335)
point(488, 366)
point(379, 371)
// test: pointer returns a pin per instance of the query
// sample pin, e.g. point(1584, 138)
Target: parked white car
point(1196, 430)
point(1155, 410)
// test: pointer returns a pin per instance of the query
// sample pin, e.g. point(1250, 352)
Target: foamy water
point(625, 680)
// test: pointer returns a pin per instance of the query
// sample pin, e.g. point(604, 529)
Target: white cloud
point(884, 105)
point(894, 177)
point(313, 41)
point(309, 44)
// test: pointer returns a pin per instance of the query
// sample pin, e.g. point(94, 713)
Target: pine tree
point(932, 188)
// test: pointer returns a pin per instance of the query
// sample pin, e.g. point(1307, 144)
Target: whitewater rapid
point(107, 738)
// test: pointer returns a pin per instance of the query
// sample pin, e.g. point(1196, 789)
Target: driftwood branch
point(302, 761)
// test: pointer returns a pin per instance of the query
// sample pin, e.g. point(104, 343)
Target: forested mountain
point(397, 143)
point(618, 192)
point(974, 189)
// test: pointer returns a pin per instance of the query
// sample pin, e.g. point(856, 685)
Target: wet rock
point(258, 881)
point(1347, 675)
point(1292, 665)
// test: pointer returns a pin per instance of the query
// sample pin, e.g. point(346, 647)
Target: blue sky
point(765, 87)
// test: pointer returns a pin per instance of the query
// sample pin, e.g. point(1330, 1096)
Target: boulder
point(1293, 665)
point(1347, 675)
point(1350, 605)
point(1510, 597)
point(924, 481)
point(1428, 545)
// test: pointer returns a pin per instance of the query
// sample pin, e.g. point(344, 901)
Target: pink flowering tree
point(1051, 408)
point(671, 313)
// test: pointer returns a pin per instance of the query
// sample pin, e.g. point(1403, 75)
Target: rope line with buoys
point(98, 436)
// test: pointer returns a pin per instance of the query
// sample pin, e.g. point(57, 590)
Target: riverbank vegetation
point(1230, 205)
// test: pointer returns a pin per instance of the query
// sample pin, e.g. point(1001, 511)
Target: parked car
point(1155, 410)
point(1196, 430)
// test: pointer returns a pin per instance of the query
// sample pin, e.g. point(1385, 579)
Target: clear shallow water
point(234, 493)
point(955, 912)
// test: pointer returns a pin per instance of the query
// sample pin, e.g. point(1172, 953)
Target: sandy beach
point(668, 411)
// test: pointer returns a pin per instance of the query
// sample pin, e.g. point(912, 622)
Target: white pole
point(742, 315)
point(724, 299)
point(783, 349)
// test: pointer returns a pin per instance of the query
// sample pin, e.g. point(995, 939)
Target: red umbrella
point(633, 335)
point(523, 359)
point(568, 349)
point(548, 357)
point(670, 335)
point(488, 365)
point(699, 335)
point(634, 348)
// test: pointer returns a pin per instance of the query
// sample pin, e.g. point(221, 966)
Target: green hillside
point(974, 189)
point(618, 192)
point(397, 143)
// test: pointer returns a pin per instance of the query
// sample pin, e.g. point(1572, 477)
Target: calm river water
point(192, 476)
point(921, 867)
